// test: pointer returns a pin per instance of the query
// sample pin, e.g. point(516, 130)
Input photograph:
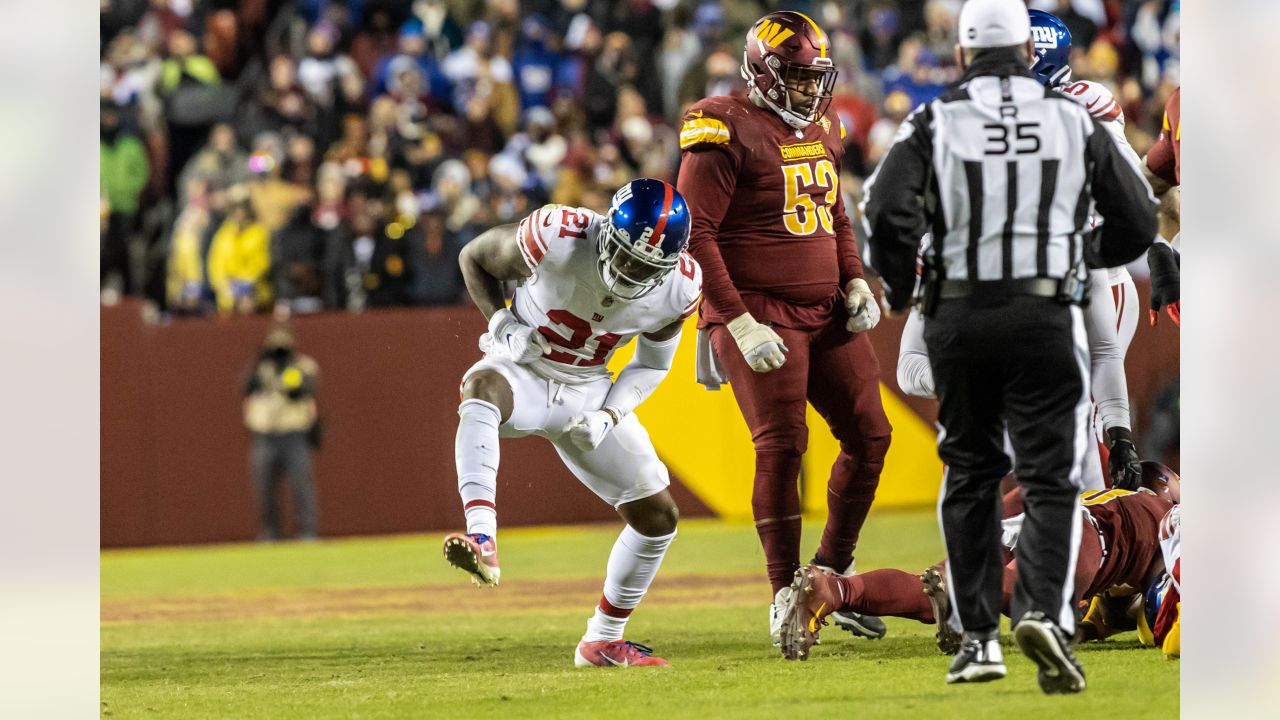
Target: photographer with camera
point(280, 412)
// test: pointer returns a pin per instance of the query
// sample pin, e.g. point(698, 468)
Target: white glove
point(587, 430)
point(514, 339)
point(864, 310)
point(760, 345)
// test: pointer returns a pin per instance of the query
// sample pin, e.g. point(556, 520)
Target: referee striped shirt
point(1004, 173)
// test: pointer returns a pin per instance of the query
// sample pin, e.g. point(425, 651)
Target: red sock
point(775, 503)
point(887, 592)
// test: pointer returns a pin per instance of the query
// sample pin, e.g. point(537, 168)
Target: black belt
point(1035, 287)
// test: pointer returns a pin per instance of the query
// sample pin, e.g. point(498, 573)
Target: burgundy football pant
point(839, 374)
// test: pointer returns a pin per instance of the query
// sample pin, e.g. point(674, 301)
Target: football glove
point(512, 338)
point(1123, 464)
point(587, 430)
point(1166, 277)
point(760, 345)
point(864, 311)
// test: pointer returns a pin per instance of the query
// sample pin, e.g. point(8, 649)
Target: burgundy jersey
point(769, 224)
point(1164, 160)
point(1130, 526)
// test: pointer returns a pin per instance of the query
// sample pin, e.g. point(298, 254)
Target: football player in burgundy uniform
point(1120, 555)
point(785, 305)
point(1164, 172)
point(588, 284)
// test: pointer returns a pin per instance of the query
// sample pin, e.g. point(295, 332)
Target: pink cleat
point(615, 653)
point(476, 553)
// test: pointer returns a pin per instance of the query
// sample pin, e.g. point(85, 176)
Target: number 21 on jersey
point(800, 214)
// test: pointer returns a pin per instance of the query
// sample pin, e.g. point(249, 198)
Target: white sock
point(476, 455)
point(633, 563)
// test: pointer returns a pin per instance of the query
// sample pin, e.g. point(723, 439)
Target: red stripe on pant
point(479, 503)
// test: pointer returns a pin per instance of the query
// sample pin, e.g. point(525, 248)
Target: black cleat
point(935, 587)
point(859, 625)
point(979, 659)
point(1047, 646)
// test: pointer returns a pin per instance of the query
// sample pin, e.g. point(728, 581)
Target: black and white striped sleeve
point(1123, 199)
point(893, 209)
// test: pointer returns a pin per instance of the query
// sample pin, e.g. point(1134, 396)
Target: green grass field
point(383, 628)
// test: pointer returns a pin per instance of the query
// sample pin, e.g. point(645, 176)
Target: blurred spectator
point(220, 163)
point(123, 169)
point(330, 78)
point(452, 197)
point(440, 282)
point(715, 77)
point(190, 86)
point(240, 257)
point(274, 198)
point(680, 51)
point(474, 68)
point(411, 51)
point(280, 411)
point(297, 251)
point(185, 285)
point(613, 68)
point(535, 65)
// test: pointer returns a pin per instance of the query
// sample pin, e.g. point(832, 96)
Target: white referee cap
point(994, 23)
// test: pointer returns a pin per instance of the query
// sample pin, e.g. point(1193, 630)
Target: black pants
point(1021, 363)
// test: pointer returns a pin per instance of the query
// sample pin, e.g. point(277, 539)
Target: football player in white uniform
point(589, 284)
point(1052, 43)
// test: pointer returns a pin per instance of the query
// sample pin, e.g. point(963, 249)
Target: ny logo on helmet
point(1044, 37)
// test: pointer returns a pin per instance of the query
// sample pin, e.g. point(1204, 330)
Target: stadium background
point(374, 139)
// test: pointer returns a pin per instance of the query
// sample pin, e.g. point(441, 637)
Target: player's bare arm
point(487, 262)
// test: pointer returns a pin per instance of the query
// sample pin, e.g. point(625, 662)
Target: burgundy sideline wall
point(174, 465)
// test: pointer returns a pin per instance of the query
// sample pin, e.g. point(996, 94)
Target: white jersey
point(566, 300)
point(1104, 108)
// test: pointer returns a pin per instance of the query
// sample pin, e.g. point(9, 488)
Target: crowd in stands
point(337, 154)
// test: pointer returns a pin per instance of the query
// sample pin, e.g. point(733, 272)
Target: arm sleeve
point(1110, 391)
point(1124, 201)
point(893, 208)
point(648, 367)
point(915, 376)
point(707, 180)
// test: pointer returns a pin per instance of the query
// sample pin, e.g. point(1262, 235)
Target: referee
point(1002, 175)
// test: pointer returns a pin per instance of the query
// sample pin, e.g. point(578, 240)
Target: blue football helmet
point(1052, 42)
point(642, 237)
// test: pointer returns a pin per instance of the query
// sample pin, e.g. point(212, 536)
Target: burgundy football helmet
point(787, 49)
point(1162, 481)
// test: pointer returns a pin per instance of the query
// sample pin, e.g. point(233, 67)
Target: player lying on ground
point(589, 284)
point(1119, 554)
point(1154, 613)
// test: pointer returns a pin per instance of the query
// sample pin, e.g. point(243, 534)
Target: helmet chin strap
point(790, 117)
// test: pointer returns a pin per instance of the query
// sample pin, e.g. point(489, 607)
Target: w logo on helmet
point(772, 34)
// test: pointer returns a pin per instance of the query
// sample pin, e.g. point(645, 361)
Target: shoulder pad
point(704, 124)
point(551, 230)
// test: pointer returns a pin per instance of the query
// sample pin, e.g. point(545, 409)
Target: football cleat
point(935, 588)
point(979, 659)
point(615, 653)
point(814, 595)
point(475, 553)
point(1048, 648)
